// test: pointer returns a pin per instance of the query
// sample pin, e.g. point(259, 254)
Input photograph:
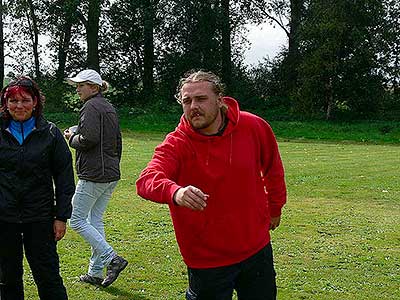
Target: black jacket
point(97, 141)
point(36, 178)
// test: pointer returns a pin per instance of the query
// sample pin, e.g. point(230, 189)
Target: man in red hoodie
point(221, 174)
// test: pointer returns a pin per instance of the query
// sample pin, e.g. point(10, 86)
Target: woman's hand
point(59, 228)
point(67, 134)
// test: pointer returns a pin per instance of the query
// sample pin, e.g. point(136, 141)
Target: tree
point(292, 59)
point(201, 35)
point(91, 24)
point(226, 51)
point(129, 53)
point(60, 22)
point(390, 43)
point(1, 45)
point(339, 66)
point(287, 15)
point(149, 8)
point(34, 35)
point(22, 42)
point(276, 12)
point(189, 39)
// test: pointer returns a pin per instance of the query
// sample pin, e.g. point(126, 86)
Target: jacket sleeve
point(157, 181)
point(63, 177)
point(88, 135)
point(272, 170)
point(119, 145)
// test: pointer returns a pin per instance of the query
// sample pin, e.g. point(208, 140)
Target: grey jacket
point(97, 141)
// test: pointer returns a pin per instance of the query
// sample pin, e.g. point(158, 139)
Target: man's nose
point(194, 104)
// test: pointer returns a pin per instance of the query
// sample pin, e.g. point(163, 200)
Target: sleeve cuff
point(61, 219)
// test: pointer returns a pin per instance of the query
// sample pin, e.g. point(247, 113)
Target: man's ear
point(220, 101)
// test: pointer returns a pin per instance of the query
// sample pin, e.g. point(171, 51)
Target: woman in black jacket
point(36, 188)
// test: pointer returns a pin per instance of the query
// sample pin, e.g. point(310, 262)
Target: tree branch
point(82, 18)
point(263, 9)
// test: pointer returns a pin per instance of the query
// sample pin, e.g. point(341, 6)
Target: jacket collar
point(40, 124)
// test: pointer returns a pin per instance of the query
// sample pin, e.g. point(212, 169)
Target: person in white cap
point(98, 145)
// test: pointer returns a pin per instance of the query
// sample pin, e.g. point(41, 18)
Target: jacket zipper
point(21, 159)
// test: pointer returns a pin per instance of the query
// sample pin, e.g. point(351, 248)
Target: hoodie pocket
point(189, 224)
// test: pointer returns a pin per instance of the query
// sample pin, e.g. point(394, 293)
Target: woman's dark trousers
point(37, 240)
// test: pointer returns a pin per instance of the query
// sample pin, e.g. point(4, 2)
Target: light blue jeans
point(89, 204)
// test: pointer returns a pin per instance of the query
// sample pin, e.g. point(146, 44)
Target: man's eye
point(186, 101)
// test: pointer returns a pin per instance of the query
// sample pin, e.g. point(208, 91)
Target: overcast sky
point(265, 41)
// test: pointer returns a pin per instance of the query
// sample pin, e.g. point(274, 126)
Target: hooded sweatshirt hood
point(231, 113)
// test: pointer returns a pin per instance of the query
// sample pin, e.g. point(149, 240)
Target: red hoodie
point(242, 173)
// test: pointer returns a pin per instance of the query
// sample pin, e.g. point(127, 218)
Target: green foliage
point(62, 120)
point(195, 30)
point(60, 97)
point(269, 96)
point(123, 56)
point(390, 106)
point(339, 66)
point(389, 38)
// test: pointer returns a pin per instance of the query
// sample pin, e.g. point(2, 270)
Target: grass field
point(339, 237)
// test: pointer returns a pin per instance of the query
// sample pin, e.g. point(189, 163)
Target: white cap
point(86, 75)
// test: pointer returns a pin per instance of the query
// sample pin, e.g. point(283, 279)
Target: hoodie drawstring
point(230, 152)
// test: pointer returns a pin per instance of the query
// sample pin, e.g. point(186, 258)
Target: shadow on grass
point(123, 294)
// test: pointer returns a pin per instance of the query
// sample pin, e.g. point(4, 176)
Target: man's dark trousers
point(253, 279)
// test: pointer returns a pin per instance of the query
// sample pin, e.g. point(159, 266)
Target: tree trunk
point(396, 79)
point(292, 59)
point(65, 38)
point(329, 99)
point(92, 31)
point(34, 36)
point(63, 52)
point(296, 8)
point(148, 58)
point(204, 46)
point(226, 51)
point(1, 45)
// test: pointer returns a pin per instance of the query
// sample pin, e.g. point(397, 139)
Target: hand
point(191, 197)
point(67, 134)
point(59, 228)
point(275, 221)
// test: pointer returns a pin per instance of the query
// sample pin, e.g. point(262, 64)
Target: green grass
point(365, 132)
point(339, 236)
point(360, 132)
